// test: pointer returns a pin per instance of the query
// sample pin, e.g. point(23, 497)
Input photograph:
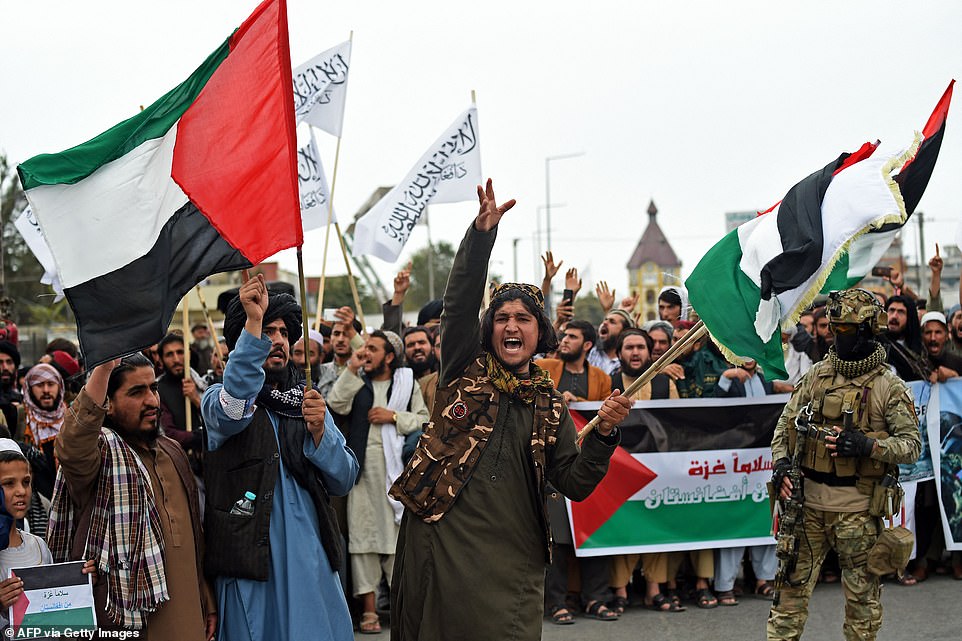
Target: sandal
point(600, 611)
point(370, 623)
point(662, 603)
point(906, 579)
point(727, 598)
point(765, 590)
point(618, 605)
point(561, 615)
point(705, 600)
point(672, 594)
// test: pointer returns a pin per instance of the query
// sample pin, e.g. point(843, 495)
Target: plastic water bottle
point(245, 505)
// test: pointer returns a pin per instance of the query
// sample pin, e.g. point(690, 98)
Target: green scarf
point(852, 369)
point(523, 389)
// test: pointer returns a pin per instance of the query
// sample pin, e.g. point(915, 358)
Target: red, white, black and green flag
point(202, 181)
point(866, 250)
point(690, 474)
point(764, 273)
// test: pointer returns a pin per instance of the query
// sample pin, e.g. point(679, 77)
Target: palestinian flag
point(689, 474)
point(55, 598)
point(202, 181)
point(866, 250)
point(764, 273)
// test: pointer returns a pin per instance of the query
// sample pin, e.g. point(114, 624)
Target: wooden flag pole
point(304, 321)
point(668, 357)
point(209, 321)
point(186, 330)
point(327, 232)
point(350, 279)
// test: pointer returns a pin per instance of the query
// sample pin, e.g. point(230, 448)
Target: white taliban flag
point(448, 172)
point(315, 195)
point(320, 87)
point(27, 225)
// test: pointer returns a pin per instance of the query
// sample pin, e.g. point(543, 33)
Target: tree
point(443, 258)
point(21, 272)
point(587, 308)
point(337, 293)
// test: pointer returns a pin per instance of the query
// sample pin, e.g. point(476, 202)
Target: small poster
point(57, 601)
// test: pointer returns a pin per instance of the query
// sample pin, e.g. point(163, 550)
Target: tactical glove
point(780, 470)
point(852, 443)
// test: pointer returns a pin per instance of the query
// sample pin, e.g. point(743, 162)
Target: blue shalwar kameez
point(302, 598)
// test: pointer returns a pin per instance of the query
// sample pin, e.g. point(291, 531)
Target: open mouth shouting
point(276, 358)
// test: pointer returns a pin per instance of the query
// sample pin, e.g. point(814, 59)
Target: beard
point(378, 371)
point(422, 367)
point(46, 403)
point(633, 372)
point(572, 357)
point(275, 376)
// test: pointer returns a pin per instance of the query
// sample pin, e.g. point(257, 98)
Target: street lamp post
point(540, 232)
point(547, 188)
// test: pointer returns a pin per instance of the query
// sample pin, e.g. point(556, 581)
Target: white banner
point(448, 172)
point(320, 87)
point(27, 225)
point(315, 195)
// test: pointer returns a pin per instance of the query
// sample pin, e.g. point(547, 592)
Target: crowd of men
point(216, 498)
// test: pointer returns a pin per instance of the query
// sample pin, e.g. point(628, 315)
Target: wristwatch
point(394, 418)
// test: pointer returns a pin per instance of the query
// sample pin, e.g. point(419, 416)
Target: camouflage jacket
point(888, 414)
point(465, 412)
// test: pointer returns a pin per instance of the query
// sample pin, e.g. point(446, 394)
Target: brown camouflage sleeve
point(904, 442)
point(460, 326)
point(574, 472)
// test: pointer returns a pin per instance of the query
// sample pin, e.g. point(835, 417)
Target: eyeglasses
point(844, 329)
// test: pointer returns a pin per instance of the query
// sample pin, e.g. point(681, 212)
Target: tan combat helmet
point(856, 306)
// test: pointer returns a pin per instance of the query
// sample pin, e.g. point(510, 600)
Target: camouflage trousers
point(851, 535)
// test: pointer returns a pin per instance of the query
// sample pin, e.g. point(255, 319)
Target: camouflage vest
point(465, 413)
point(831, 396)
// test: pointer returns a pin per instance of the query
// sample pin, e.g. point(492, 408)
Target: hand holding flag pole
point(668, 357)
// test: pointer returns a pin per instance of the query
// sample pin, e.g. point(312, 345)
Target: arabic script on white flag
point(27, 225)
point(320, 87)
point(448, 172)
point(315, 194)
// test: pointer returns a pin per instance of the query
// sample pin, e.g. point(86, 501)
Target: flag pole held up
point(186, 330)
point(209, 321)
point(330, 218)
point(307, 327)
point(667, 358)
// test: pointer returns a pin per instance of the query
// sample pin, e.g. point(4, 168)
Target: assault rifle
point(791, 510)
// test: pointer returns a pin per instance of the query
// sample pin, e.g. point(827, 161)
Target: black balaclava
point(855, 347)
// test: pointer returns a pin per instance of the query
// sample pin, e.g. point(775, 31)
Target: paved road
point(931, 611)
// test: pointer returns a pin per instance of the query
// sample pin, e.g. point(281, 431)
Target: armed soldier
point(848, 473)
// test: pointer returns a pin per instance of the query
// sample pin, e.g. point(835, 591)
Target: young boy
point(20, 549)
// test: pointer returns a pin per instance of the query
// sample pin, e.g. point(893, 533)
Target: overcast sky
point(705, 107)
